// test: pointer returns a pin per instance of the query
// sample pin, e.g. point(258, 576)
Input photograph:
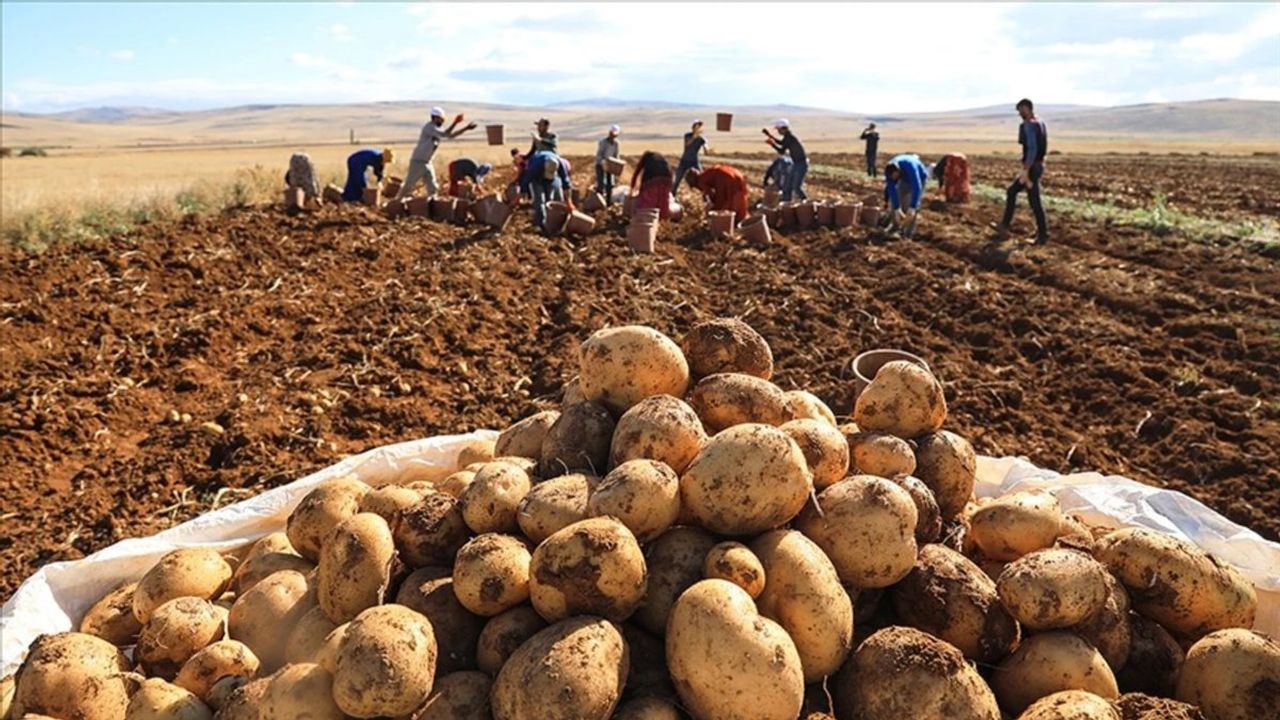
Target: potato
point(736, 563)
point(554, 504)
point(1052, 589)
point(806, 405)
point(177, 630)
point(1013, 525)
point(308, 635)
point(429, 591)
point(802, 593)
point(947, 463)
point(112, 618)
point(571, 393)
point(258, 567)
point(188, 572)
point(727, 345)
point(882, 454)
point(747, 479)
point(454, 484)
point(389, 501)
point(244, 701)
point(1136, 706)
point(430, 532)
point(903, 399)
point(644, 495)
point(1176, 583)
point(866, 525)
point(478, 450)
point(503, 634)
point(900, 673)
point(491, 574)
point(458, 696)
point(529, 465)
point(320, 511)
point(728, 661)
point(727, 399)
point(1232, 674)
point(1051, 662)
point(573, 670)
point(592, 567)
point(674, 562)
point(71, 675)
point(620, 366)
point(261, 617)
point(222, 692)
point(661, 428)
point(490, 502)
point(299, 692)
point(1154, 660)
point(224, 658)
point(386, 663)
point(949, 597)
point(326, 655)
point(648, 708)
point(578, 441)
point(928, 516)
point(524, 437)
point(355, 566)
point(1074, 534)
point(825, 450)
point(6, 695)
point(648, 676)
point(156, 699)
point(1109, 629)
point(1070, 705)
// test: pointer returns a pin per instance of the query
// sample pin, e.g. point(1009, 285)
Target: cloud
point(340, 32)
point(12, 101)
point(171, 41)
point(123, 55)
point(1178, 11)
point(1221, 47)
point(1128, 48)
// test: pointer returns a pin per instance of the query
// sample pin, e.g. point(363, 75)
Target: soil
point(152, 377)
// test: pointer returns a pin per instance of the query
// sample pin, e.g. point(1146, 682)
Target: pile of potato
point(682, 538)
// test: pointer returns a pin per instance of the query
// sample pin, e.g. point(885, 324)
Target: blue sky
point(855, 57)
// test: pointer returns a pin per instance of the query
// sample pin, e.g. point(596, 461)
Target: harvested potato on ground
point(224, 658)
point(881, 454)
point(554, 505)
point(866, 525)
point(747, 479)
point(1009, 527)
point(1052, 589)
point(947, 463)
point(112, 618)
point(1109, 628)
point(661, 428)
point(261, 616)
point(802, 593)
point(573, 670)
point(903, 399)
point(900, 673)
point(430, 532)
point(71, 675)
point(949, 597)
point(503, 634)
point(188, 572)
point(805, 404)
point(458, 696)
point(1136, 706)
point(579, 440)
point(592, 567)
point(430, 592)
point(620, 366)
point(1154, 660)
point(298, 692)
point(736, 563)
point(176, 631)
point(491, 574)
point(728, 661)
point(1075, 534)
point(825, 450)
point(674, 562)
point(1051, 662)
point(245, 701)
point(308, 636)
point(389, 501)
point(386, 663)
point(355, 566)
point(453, 485)
point(1176, 583)
point(320, 511)
point(1071, 705)
point(156, 699)
point(928, 516)
point(727, 345)
point(1232, 674)
point(727, 399)
point(476, 451)
point(490, 502)
point(648, 708)
point(524, 438)
point(644, 495)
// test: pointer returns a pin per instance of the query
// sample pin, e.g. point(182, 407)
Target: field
point(150, 377)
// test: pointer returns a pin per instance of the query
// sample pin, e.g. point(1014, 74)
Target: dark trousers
point(871, 164)
point(604, 184)
point(1033, 198)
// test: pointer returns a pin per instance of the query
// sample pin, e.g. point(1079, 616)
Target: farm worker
point(1033, 136)
point(904, 181)
point(653, 174)
point(544, 139)
point(302, 174)
point(723, 186)
point(790, 144)
point(433, 133)
point(779, 172)
point(545, 178)
point(694, 144)
point(465, 170)
point(606, 148)
point(358, 164)
point(952, 172)
point(872, 138)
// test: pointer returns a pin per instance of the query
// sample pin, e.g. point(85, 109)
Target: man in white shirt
point(433, 133)
point(606, 148)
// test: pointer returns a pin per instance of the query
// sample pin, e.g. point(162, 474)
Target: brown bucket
point(869, 215)
point(497, 134)
point(721, 223)
point(332, 194)
point(372, 196)
point(494, 212)
point(724, 122)
point(772, 216)
point(579, 223)
point(846, 214)
point(873, 200)
point(867, 364)
point(442, 208)
point(419, 207)
point(787, 215)
point(295, 198)
point(462, 210)
point(391, 187)
point(614, 166)
point(642, 233)
point(806, 213)
point(629, 204)
point(755, 230)
point(557, 215)
point(826, 215)
point(395, 209)
point(772, 196)
point(594, 202)
point(512, 194)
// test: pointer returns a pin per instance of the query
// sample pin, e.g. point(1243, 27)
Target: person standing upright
point(433, 133)
point(1033, 136)
point(606, 148)
point(871, 137)
point(694, 144)
point(790, 144)
point(543, 139)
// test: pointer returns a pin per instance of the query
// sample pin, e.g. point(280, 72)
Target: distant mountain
point(603, 102)
point(110, 115)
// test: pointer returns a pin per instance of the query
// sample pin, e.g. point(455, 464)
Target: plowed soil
point(147, 379)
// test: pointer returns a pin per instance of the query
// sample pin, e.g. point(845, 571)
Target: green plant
point(33, 152)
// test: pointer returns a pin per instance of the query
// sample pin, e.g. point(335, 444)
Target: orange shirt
point(725, 188)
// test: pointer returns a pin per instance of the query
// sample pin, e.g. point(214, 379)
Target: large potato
point(903, 399)
point(900, 673)
point(430, 592)
point(389, 501)
point(112, 618)
point(949, 597)
point(72, 675)
point(491, 574)
point(661, 428)
point(644, 495)
point(1053, 589)
point(224, 658)
point(592, 567)
point(503, 634)
point(1154, 661)
point(747, 479)
point(1176, 583)
point(947, 463)
point(243, 702)
point(524, 438)
point(882, 454)
point(386, 663)
point(156, 699)
point(308, 635)
point(479, 450)
point(1051, 662)
point(300, 692)
point(1232, 674)
point(928, 516)
point(261, 617)
point(573, 670)
point(674, 562)
point(554, 505)
point(727, 661)
point(825, 450)
point(727, 345)
point(579, 440)
point(431, 531)
point(177, 630)
point(490, 502)
point(355, 566)
point(188, 572)
point(458, 696)
point(727, 399)
point(1011, 526)
point(1109, 628)
point(453, 485)
point(263, 560)
point(867, 526)
point(1071, 705)
point(805, 404)
point(320, 511)
point(736, 563)
point(620, 366)
point(802, 593)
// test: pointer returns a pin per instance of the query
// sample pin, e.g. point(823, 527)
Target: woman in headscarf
point(653, 175)
point(358, 164)
point(302, 174)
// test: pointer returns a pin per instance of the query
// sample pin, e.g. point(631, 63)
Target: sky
point(868, 58)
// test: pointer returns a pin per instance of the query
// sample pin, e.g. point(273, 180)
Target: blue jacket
point(533, 170)
point(915, 173)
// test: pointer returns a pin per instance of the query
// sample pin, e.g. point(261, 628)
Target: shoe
point(1002, 232)
point(1040, 240)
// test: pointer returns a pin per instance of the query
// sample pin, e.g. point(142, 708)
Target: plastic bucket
point(395, 209)
point(787, 215)
point(806, 213)
point(557, 215)
point(614, 166)
point(724, 122)
point(866, 365)
point(332, 194)
point(462, 210)
point(579, 223)
point(512, 194)
point(419, 207)
point(442, 208)
point(721, 223)
point(594, 202)
point(497, 134)
point(826, 215)
point(772, 196)
point(391, 187)
point(869, 215)
point(295, 198)
point(755, 230)
point(772, 216)
point(372, 196)
point(494, 212)
point(642, 233)
point(846, 214)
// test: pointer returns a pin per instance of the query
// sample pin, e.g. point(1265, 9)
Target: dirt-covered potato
point(177, 630)
point(431, 531)
point(571, 393)
point(1052, 589)
point(243, 701)
point(299, 692)
point(805, 404)
point(867, 526)
point(1109, 628)
point(882, 454)
point(1071, 705)
point(326, 656)
point(71, 675)
point(112, 618)
point(947, 463)
point(389, 501)
point(355, 566)
point(725, 345)
point(6, 697)
point(1154, 662)
point(554, 504)
point(453, 484)
point(661, 428)
point(1009, 527)
point(620, 366)
point(747, 479)
point(1137, 706)
point(430, 592)
point(320, 511)
point(503, 634)
point(270, 554)
point(524, 438)
point(900, 672)
point(727, 661)
point(928, 516)
point(903, 399)
point(156, 699)
point(727, 399)
point(644, 495)
point(1051, 662)
point(222, 692)
point(647, 708)
point(491, 574)
point(478, 450)
point(1176, 583)
point(260, 617)
point(386, 663)
point(224, 658)
point(1232, 674)
point(802, 593)
point(674, 562)
point(736, 563)
point(308, 636)
point(579, 440)
point(188, 572)
point(573, 670)
point(1075, 534)
point(592, 567)
point(825, 450)
point(490, 502)
point(949, 597)
point(458, 696)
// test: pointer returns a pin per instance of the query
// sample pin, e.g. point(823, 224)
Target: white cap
point(615, 129)
point(437, 112)
point(781, 123)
